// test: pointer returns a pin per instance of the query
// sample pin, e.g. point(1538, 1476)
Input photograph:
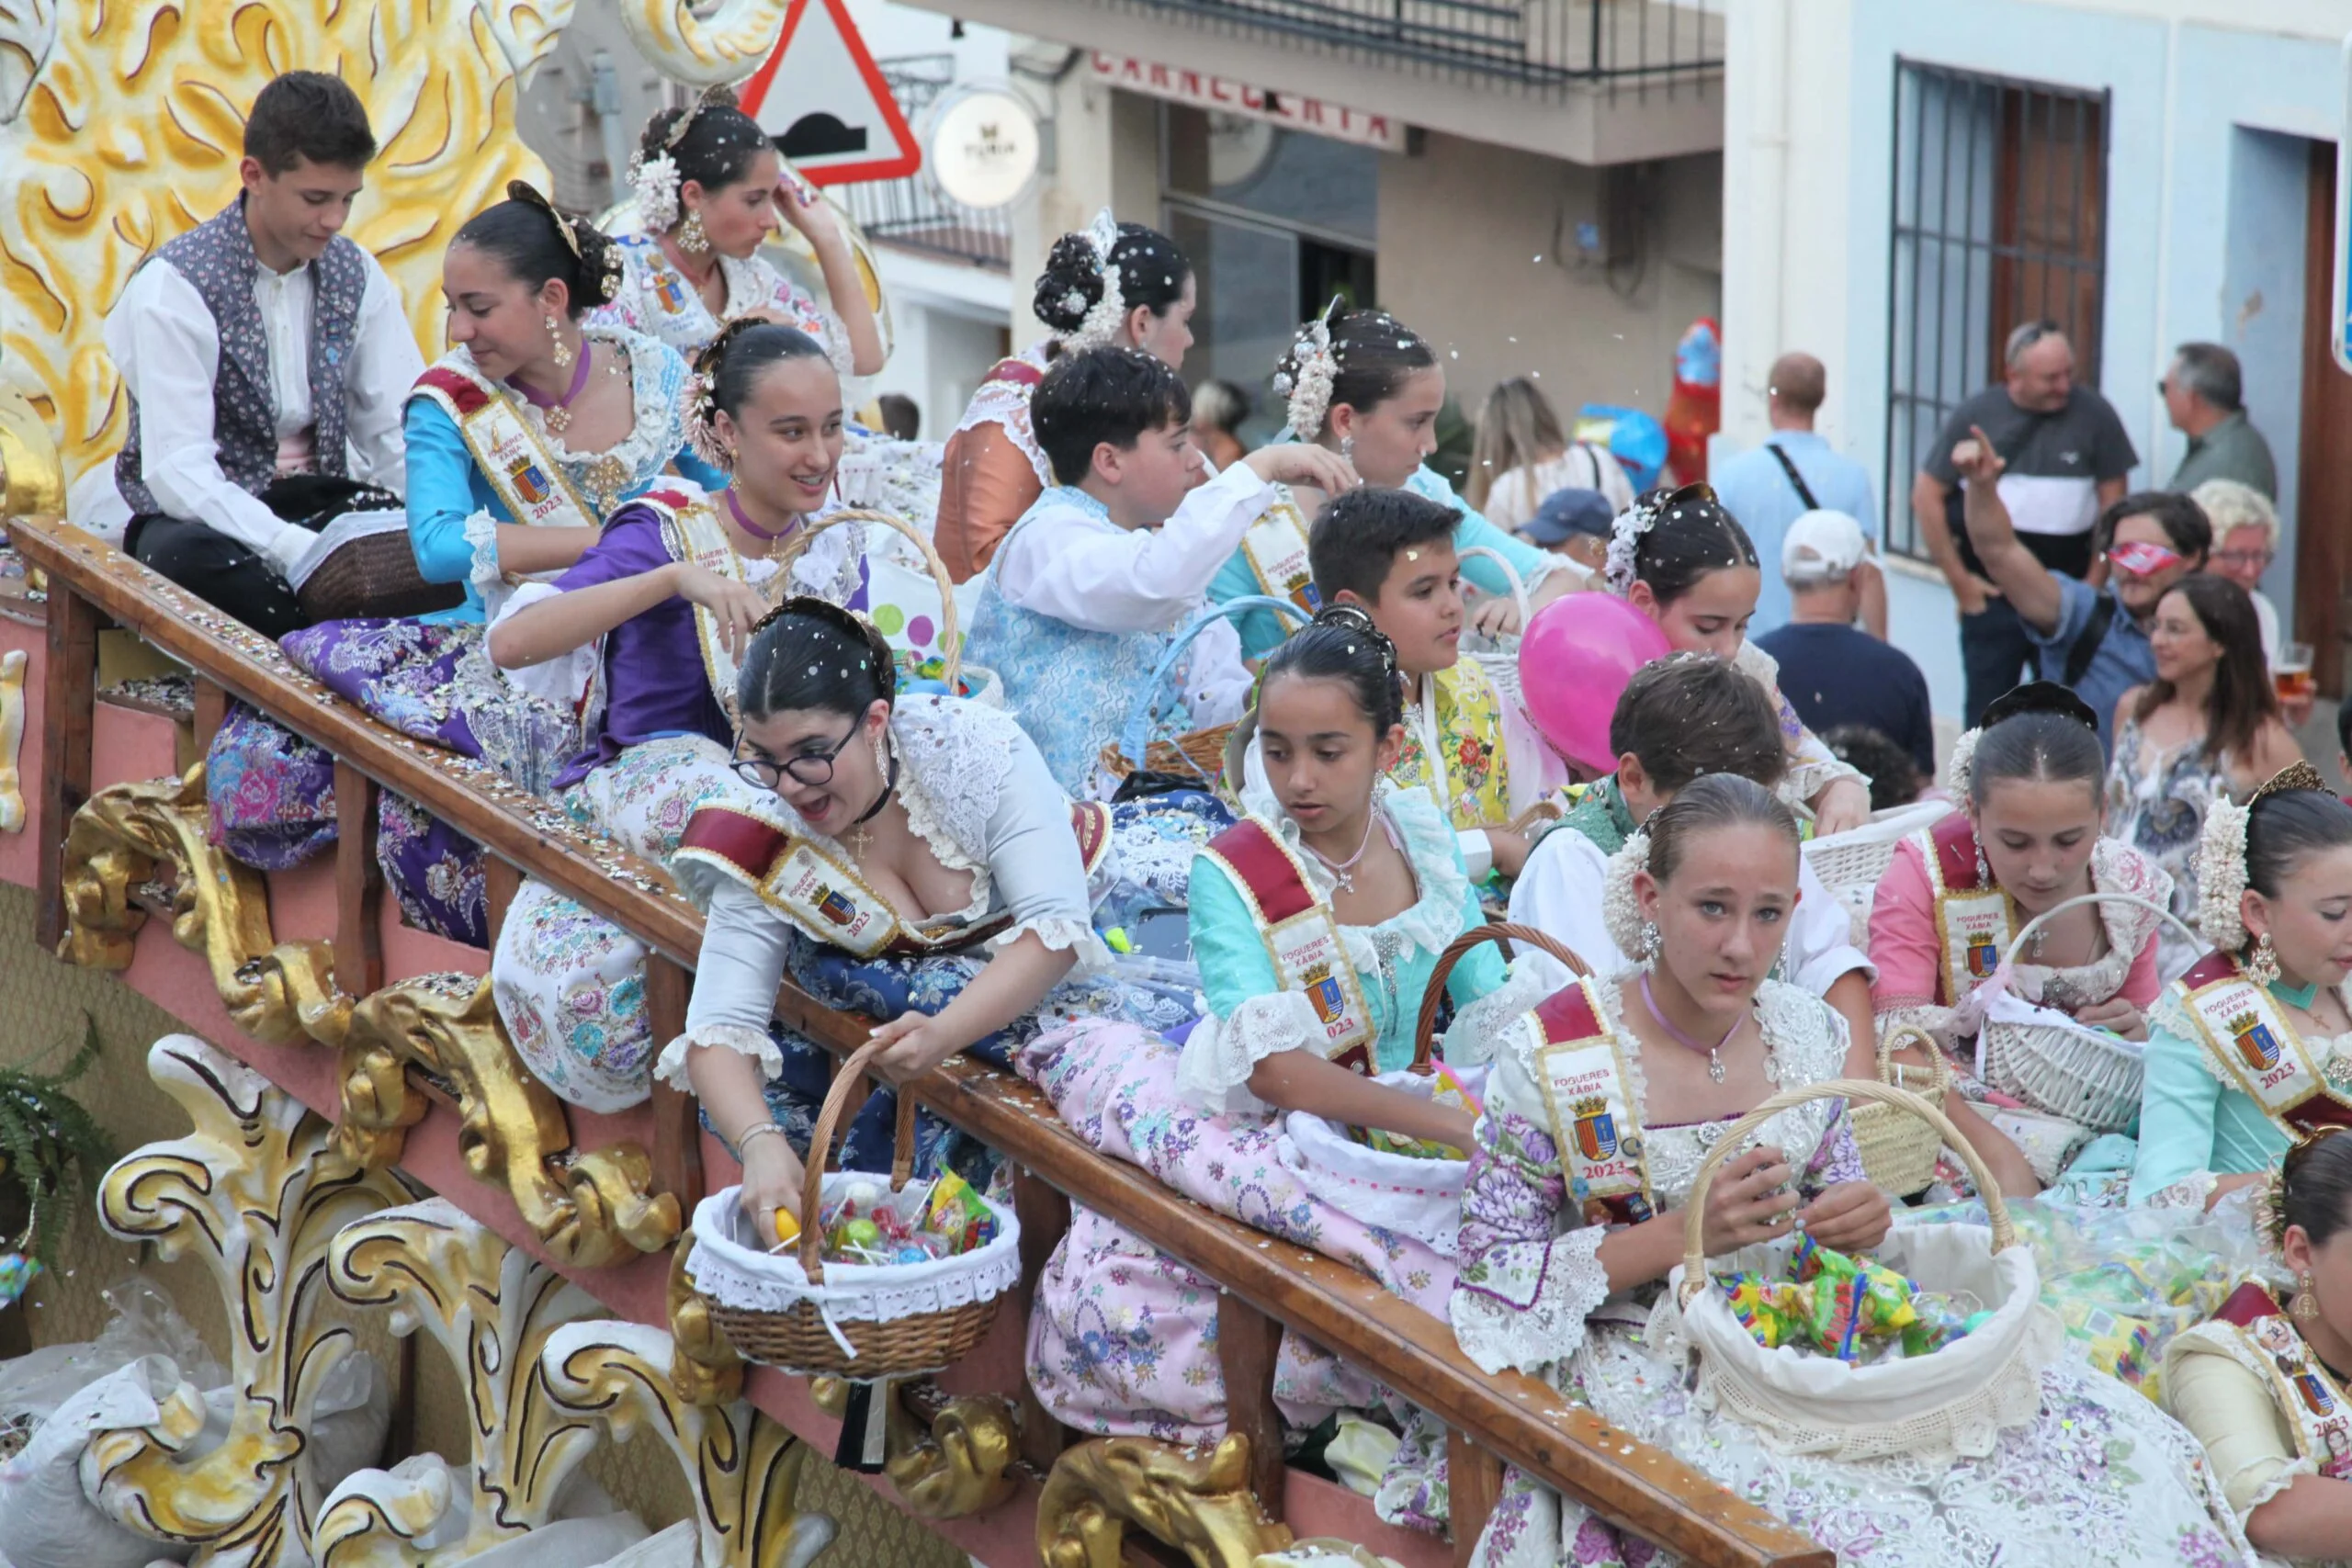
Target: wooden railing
point(1270, 1285)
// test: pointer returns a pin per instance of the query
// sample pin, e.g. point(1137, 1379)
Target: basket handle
point(1694, 1214)
point(2033, 925)
point(1135, 738)
point(850, 1079)
point(1510, 575)
point(951, 645)
point(1425, 1029)
point(1938, 1066)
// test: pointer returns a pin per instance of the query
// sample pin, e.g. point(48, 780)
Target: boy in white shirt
point(1085, 596)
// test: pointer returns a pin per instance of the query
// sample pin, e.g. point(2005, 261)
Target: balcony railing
point(913, 212)
point(1643, 45)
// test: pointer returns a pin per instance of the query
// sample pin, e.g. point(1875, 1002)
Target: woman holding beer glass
point(2207, 725)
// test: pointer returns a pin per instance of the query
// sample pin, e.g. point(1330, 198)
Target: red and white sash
point(1975, 924)
point(2252, 1330)
point(1301, 934)
point(812, 885)
point(2251, 1045)
point(1275, 547)
point(1596, 1121)
point(519, 466)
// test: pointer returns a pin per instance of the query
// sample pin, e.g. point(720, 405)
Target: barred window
point(1999, 217)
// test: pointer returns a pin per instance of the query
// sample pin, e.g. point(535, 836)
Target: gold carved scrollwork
point(588, 1210)
point(1199, 1503)
point(965, 1460)
point(491, 1309)
point(121, 838)
point(721, 46)
point(12, 736)
point(704, 1368)
point(744, 1468)
point(256, 1193)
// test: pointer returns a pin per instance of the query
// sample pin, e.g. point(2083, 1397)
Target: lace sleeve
point(481, 537)
point(563, 680)
point(744, 945)
point(1524, 1289)
point(1477, 1027)
point(1221, 1052)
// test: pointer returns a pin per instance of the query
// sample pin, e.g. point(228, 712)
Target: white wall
point(1809, 108)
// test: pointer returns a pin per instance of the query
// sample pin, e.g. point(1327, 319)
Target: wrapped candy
point(1850, 1308)
point(959, 1217)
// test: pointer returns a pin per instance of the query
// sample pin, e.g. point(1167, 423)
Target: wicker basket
point(1953, 1400)
point(1415, 1197)
point(1852, 864)
point(2059, 1068)
point(1899, 1150)
point(1200, 752)
point(980, 684)
point(375, 574)
point(802, 1338)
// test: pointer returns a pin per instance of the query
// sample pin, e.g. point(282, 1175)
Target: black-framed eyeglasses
point(811, 768)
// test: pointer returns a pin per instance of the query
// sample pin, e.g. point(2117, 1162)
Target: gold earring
point(690, 236)
point(2306, 1304)
point(2262, 967)
point(562, 356)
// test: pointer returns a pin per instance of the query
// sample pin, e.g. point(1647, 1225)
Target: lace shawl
point(1007, 403)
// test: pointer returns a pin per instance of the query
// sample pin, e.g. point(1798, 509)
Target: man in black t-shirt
point(2066, 458)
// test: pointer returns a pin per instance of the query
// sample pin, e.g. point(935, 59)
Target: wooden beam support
point(677, 1116)
point(358, 881)
point(69, 707)
point(1246, 1342)
point(1043, 1211)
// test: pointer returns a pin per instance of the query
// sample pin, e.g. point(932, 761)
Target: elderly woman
point(2245, 541)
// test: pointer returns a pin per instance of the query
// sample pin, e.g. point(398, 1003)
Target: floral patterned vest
point(217, 257)
point(1469, 729)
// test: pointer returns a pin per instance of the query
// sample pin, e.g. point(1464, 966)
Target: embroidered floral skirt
point(1123, 1336)
point(271, 793)
point(2101, 1476)
point(569, 982)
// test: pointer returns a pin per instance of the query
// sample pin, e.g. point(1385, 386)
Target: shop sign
point(1295, 112)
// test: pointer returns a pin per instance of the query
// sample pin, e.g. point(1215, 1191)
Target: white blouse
point(978, 794)
point(1559, 893)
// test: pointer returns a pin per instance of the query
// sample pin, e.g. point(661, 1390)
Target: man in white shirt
point(267, 359)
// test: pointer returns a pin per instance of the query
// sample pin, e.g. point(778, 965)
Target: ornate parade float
point(363, 1138)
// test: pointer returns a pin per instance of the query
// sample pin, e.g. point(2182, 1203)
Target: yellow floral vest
point(1467, 734)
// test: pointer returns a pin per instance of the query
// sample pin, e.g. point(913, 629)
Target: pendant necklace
point(858, 837)
point(767, 535)
point(557, 411)
point(1715, 1052)
point(1344, 872)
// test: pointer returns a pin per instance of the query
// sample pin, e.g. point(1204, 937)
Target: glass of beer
point(2292, 675)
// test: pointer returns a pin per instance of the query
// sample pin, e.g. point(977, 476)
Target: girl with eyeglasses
point(643, 634)
point(911, 856)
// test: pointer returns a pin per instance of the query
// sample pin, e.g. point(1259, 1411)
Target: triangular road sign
point(823, 100)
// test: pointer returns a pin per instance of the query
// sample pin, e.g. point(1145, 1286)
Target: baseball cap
point(1566, 513)
point(1822, 547)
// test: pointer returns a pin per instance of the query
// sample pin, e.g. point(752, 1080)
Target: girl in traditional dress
point(1686, 563)
point(2026, 840)
point(709, 186)
point(1561, 1286)
point(521, 441)
point(1317, 921)
point(2208, 727)
point(644, 629)
point(1366, 386)
point(911, 856)
point(2263, 1384)
point(1680, 718)
point(1115, 285)
point(2253, 1046)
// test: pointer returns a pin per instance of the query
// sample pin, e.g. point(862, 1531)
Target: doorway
point(2323, 609)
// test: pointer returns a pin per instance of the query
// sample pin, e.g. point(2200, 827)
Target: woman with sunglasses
point(1684, 561)
point(642, 634)
point(907, 856)
point(2207, 728)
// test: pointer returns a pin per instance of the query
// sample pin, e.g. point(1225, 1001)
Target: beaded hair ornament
point(876, 649)
point(698, 398)
point(1314, 367)
point(607, 259)
point(655, 179)
point(1632, 524)
point(2221, 856)
point(1106, 318)
point(2271, 1198)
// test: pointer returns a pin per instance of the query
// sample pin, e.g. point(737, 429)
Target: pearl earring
point(692, 237)
point(1348, 449)
point(1653, 942)
point(2262, 967)
point(562, 355)
point(2306, 1304)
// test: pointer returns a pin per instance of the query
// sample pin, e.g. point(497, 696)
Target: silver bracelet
point(750, 1132)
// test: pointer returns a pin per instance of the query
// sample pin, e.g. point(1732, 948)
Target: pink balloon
point(1578, 652)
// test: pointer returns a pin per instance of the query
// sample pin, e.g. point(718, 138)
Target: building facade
point(1906, 181)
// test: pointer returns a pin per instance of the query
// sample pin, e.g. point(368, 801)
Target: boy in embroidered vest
point(1392, 552)
point(262, 353)
point(1088, 591)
